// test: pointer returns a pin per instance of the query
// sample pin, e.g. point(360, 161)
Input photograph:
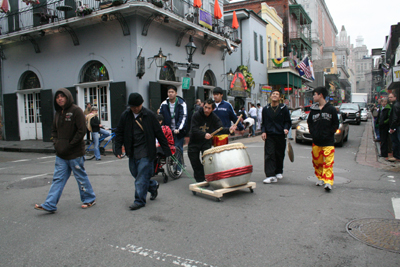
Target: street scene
point(199, 133)
point(288, 223)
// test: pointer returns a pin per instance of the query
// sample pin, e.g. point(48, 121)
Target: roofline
point(248, 11)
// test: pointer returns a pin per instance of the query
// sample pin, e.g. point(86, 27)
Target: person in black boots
point(137, 130)
point(383, 122)
point(276, 123)
point(204, 122)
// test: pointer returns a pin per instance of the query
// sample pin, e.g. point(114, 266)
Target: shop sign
point(205, 19)
point(238, 85)
point(389, 77)
point(265, 89)
point(185, 83)
point(396, 74)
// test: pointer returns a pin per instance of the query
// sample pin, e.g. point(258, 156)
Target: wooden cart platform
point(196, 188)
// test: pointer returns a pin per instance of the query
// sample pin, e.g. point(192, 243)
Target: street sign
point(184, 73)
point(185, 83)
point(195, 66)
point(186, 65)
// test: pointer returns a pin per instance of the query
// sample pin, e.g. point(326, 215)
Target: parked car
point(351, 112)
point(297, 116)
point(364, 115)
point(341, 135)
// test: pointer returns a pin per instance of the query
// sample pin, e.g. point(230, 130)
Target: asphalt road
point(289, 223)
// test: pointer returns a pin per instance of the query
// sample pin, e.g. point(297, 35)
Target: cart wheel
point(194, 193)
point(218, 199)
point(251, 190)
point(165, 178)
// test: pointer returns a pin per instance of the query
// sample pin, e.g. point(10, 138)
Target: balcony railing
point(29, 17)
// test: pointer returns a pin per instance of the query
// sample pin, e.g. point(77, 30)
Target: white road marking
point(396, 207)
point(30, 177)
point(47, 157)
point(6, 168)
point(104, 162)
point(163, 257)
point(21, 160)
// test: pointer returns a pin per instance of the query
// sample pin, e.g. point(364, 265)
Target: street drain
point(336, 180)
point(378, 233)
point(31, 183)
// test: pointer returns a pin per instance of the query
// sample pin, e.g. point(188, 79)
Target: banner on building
point(205, 19)
point(266, 89)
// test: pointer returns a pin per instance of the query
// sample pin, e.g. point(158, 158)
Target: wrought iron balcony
point(55, 13)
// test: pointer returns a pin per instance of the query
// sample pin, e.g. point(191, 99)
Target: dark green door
point(118, 101)
point(200, 93)
point(73, 92)
point(47, 112)
point(154, 96)
point(189, 96)
point(11, 117)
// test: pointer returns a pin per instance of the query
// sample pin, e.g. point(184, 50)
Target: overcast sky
point(370, 19)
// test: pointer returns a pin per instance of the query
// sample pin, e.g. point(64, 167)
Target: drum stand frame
point(218, 194)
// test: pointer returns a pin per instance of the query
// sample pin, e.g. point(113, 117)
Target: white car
point(364, 115)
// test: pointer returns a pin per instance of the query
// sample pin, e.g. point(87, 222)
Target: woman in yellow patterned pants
point(323, 159)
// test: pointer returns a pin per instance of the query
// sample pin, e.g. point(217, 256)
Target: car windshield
point(349, 106)
point(296, 113)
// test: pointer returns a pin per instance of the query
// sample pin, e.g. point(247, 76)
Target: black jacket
point(395, 116)
point(383, 118)
point(152, 130)
point(201, 124)
point(277, 124)
point(323, 124)
point(95, 124)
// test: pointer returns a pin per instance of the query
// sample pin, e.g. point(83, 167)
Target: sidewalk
point(38, 146)
point(369, 150)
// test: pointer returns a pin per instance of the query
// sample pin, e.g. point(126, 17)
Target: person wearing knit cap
point(137, 131)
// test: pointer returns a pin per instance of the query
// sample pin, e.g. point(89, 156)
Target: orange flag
point(217, 10)
point(235, 23)
point(197, 3)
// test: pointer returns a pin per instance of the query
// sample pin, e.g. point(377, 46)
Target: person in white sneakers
point(276, 123)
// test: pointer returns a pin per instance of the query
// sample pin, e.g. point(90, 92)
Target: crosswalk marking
point(396, 207)
point(30, 177)
point(21, 160)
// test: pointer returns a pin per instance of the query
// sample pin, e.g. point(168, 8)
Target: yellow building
point(274, 32)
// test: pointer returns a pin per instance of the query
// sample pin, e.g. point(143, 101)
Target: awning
point(284, 79)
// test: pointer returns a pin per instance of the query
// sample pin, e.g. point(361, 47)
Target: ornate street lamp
point(229, 75)
point(160, 59)
point(190, 48)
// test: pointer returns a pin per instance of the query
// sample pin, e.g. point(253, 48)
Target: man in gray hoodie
point(69, 128)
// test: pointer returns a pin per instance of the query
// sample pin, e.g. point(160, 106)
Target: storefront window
point(94, 71)
point(30, 81)
point(167, 72)
point(209, 78)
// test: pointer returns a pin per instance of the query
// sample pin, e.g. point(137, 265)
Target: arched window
point(209, 78)
point(29, 81)
point(167, 72)
point(94, 71)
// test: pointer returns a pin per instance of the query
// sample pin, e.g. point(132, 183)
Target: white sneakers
point(279, 176)
point(269, 180)
point(328, 187)
point(319, 183)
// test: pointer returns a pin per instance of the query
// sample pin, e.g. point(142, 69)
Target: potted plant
point(158, 3)
point(83, 10)
point(31, 2)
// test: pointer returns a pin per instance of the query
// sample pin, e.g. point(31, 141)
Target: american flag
point(306, 68)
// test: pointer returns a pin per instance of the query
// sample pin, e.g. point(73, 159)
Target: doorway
point(99, 96)
point(30, 116)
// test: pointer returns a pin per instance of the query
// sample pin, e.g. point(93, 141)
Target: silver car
point(297, 116)
point(364, 115)
point(341, 135)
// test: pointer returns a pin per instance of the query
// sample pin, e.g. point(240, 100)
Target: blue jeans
point(254, 125)
point(396, 143)
point(96, 138)
point(142, 170)
point(179, 143)
point(62, 172)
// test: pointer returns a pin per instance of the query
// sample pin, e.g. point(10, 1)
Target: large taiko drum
point(227, 166)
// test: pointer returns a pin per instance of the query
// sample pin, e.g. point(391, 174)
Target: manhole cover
point(336, 179)
point(31, 183)
point(378, 233)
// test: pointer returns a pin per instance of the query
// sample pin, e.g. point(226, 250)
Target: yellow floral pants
point(322, 158)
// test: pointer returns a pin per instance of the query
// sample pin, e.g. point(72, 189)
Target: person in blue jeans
point(253, 114)
point(137, 131)
point(97, 132)
point(69, 128)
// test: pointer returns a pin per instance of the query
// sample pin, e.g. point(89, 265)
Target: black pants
point(274, 154)
point(87, 135)
point(194, 149)
point(384, 134)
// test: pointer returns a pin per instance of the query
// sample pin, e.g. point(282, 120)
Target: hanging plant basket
point(31, 2)
point(83, 10)
point(158, 3)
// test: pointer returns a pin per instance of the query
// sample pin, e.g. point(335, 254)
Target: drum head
point(290, 151)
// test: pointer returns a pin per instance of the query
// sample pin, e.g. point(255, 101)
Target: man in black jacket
point(204, 122)
point(276, 123)
point(137, 130)
point(395, 129)
point(323, 122)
